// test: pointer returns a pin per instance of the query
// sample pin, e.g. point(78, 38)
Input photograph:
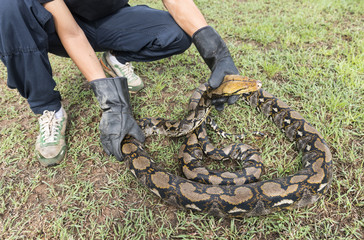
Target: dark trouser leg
point(140, 33)
point(24, 28)
point(137, 33)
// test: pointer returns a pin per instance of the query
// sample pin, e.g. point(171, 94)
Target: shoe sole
point(106, 67)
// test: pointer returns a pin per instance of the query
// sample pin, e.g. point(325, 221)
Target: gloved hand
point(217, 57)
point(117, 119)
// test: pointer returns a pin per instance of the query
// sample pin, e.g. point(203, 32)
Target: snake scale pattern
point(242, 195)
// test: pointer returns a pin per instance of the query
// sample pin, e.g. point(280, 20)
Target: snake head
point(235, 85)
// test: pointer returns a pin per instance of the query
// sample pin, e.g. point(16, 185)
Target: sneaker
point(51, 142)
point(113, 67)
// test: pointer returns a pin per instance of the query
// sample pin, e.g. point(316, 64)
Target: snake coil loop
point(245, 197)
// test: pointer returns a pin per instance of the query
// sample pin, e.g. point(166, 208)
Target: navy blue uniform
point(27, 34)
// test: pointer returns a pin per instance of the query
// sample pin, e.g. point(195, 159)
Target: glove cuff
point(210, 46)
point(201, 29)
point(112, 93)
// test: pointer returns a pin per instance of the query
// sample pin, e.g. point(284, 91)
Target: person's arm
point(74, 41)
point(208, 42)
point(112, 93)
point(186, 14)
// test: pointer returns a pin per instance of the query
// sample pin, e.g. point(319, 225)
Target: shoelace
point(129, 70)
point(49, 126)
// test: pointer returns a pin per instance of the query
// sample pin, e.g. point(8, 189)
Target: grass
point(308, 53)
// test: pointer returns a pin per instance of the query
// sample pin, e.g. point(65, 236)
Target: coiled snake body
point(242, 196)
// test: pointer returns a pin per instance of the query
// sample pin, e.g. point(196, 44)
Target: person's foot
point(115, 68)
point(51, 142)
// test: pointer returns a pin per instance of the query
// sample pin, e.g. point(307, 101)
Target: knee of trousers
point(181, 40)
point(170, 40)
point(169, 35)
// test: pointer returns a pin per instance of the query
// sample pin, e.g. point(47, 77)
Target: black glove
point(117, 119)
point(216, 55)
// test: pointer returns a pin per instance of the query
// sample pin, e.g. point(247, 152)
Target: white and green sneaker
point(116, 69)
point(51, 142)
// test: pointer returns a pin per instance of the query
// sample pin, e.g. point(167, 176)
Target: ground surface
point(308, 53)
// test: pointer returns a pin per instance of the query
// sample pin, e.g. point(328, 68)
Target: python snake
point(239, 199)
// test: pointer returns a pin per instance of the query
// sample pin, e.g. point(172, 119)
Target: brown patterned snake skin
point(243, 197)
